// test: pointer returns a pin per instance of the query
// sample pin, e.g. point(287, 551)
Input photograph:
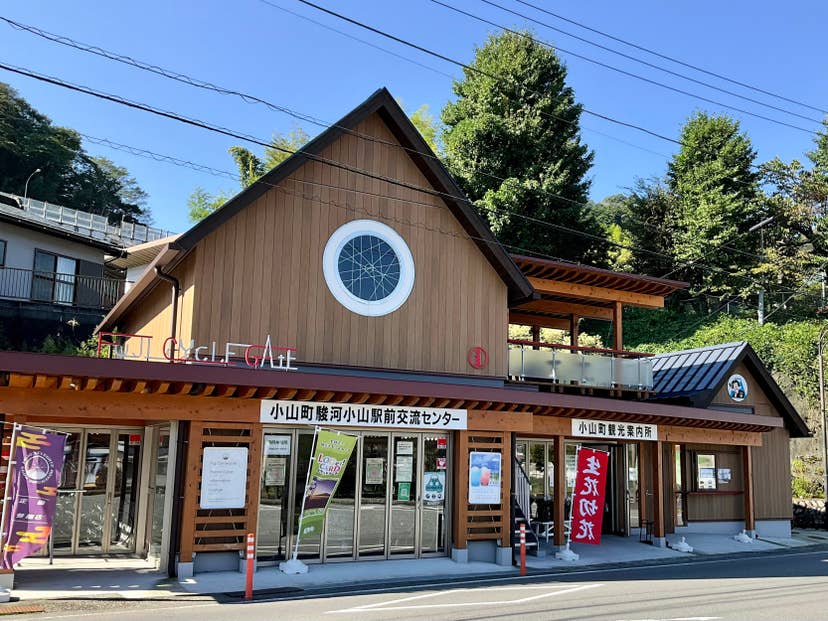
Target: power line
point(672, 59)
point(468, 67)
point(629, 73)
point(228, 132)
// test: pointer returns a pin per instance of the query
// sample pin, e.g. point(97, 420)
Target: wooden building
point(355, 287)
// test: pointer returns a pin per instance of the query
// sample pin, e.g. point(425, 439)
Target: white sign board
point(223, 478)
point(277, 445)
point(613, 430)
point(360, 415)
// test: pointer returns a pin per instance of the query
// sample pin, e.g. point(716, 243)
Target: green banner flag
point(330, 457)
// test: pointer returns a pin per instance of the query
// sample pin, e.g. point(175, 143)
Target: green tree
point(428, 126)
point(651, 226)
point(514, 144)
point(201, 203)
point(717, 197)
point(70, 177)
point(283, 145)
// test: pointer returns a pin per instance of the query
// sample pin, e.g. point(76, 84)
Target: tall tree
point(69, 176)
point(717, 197)
point(513, 141)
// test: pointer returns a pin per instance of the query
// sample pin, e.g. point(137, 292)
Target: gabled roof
point(380, 102)
point(697, 375)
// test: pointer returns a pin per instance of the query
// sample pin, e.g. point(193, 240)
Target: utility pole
point(758, 226)
point(821, 352)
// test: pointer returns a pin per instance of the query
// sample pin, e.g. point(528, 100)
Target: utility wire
point(672, 58)
point(630, 73)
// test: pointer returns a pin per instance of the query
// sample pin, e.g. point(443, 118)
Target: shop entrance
point(392, 501)
point(98, 495)
point(621, 510)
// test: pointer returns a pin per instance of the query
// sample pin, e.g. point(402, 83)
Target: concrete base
point(216, 561)
point(460, 556)
point(660, 542)
point(482, 551)
point(7, 579)
point(243, 566)
point(185, 570)
point(504, 556)
point(780, 529)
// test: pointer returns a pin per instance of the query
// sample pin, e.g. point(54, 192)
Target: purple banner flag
point(36, 462)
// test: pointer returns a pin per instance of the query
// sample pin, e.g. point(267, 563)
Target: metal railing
point(89, 224)
point(581, 366)
point(61, 289)
point(522, 490)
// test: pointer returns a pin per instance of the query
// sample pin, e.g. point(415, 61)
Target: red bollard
point(251, 548)
point(523, 548)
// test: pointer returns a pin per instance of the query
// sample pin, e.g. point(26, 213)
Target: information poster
point(404, 491)
point(484, 478)
point(275, 468)
point(374, 470)
point(223, 478)
point(276, 445)
point(404, 470)
point(434, 488)
point(405, 447)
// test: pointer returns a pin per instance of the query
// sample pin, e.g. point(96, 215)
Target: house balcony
point(580, 366)
point(53, 288)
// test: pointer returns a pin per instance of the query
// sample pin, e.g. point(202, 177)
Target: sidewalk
point(133, 579)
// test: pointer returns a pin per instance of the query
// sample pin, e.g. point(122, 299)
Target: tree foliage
point(514, 144)
point(69, 176)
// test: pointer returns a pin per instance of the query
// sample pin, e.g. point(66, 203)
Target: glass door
point(159, 467)
point(310, 548)
point(274, 496)
point(434, 493)
point(373, 496)
point(63, 526)
point(93, 510)
point(123, 497)
point(404, 495)
point(340, 521)
point(632, 491)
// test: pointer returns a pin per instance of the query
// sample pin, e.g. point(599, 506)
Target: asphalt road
point(772, 587)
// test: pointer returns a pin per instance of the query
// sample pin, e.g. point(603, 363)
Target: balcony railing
point(580, 366)
point(61, 289)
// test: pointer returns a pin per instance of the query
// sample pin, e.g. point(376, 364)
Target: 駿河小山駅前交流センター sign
point(361, 415)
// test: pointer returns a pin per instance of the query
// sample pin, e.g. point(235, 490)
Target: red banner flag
point(588, 496)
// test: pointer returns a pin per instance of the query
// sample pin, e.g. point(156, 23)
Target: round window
point(368, 268)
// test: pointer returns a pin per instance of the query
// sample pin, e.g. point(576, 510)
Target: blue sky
point(252, 47)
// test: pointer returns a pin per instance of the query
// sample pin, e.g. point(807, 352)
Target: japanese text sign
point(613, 430)
point(37, 465)
point(360, 415)
point(588, 495)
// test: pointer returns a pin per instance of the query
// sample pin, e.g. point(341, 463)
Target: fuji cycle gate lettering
point(588, 495)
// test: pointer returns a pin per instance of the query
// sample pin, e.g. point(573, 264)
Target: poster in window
point(374, 470)
point(404, 469)
point(277, 445)
point(405, 447)
point(724, 475)
point(275, 468)
point(484, 478)
point(434, 488)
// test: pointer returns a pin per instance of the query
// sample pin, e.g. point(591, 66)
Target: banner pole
point(305, 493)
point(6, 497)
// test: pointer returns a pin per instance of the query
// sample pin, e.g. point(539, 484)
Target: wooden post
point(658, 493)
point(536, 336)
point(461, 490)
point(618, 320)
point(559, 493)
point(192, 468)
point(573, 330)
point(642, 486)
point(747, 470)
point(505, 496)
point(254, 469)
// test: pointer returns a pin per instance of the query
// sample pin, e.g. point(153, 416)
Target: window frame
point(697, 473)
point(52, 277)
point(3, 252)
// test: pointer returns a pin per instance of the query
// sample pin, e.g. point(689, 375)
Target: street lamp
point(26, 187)
point(821, 351)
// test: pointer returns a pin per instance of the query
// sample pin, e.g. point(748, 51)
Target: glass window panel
point(373, 496)
point(340, 518)
point(309, 547)
point(434, 493)
point(63, 525)
point(369, 268)
point(43, 279)
point(93, 512)
point(160, 465)
point(633, 479)
point(404, 495)
point(706, 471)
point(274, 494)
point(125, 492)
point(65, 280)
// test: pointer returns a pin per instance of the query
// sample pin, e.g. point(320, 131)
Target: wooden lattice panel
point(219, 530)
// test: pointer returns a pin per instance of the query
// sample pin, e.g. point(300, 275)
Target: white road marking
point(676, 619)
point(389, 605)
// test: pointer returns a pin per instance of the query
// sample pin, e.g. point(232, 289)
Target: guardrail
point(61, 289)
point(581, 366)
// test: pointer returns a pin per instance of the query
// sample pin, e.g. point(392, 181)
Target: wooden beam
point(525, 319)
point(747, 471)
point(489, 420)
point(573, 330)
point(551, 426)
point(461, 490)
point(589, 292)
point(559, 491)
point(505, 499)
point(568, 308)
point(188, 509)
point(618, 326)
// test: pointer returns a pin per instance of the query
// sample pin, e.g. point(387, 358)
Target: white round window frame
point(330, 267)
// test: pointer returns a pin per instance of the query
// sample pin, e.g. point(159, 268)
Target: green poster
point(330, 457)
point(403, 491)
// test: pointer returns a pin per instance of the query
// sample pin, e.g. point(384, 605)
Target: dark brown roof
point(381, 102)
point(586, 275)
point(423, 390)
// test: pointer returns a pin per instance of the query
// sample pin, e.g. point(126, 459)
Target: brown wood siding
point(756, 398)
point(725, 503)
point(151, 317)
point(771, 476)
point(261, 272)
